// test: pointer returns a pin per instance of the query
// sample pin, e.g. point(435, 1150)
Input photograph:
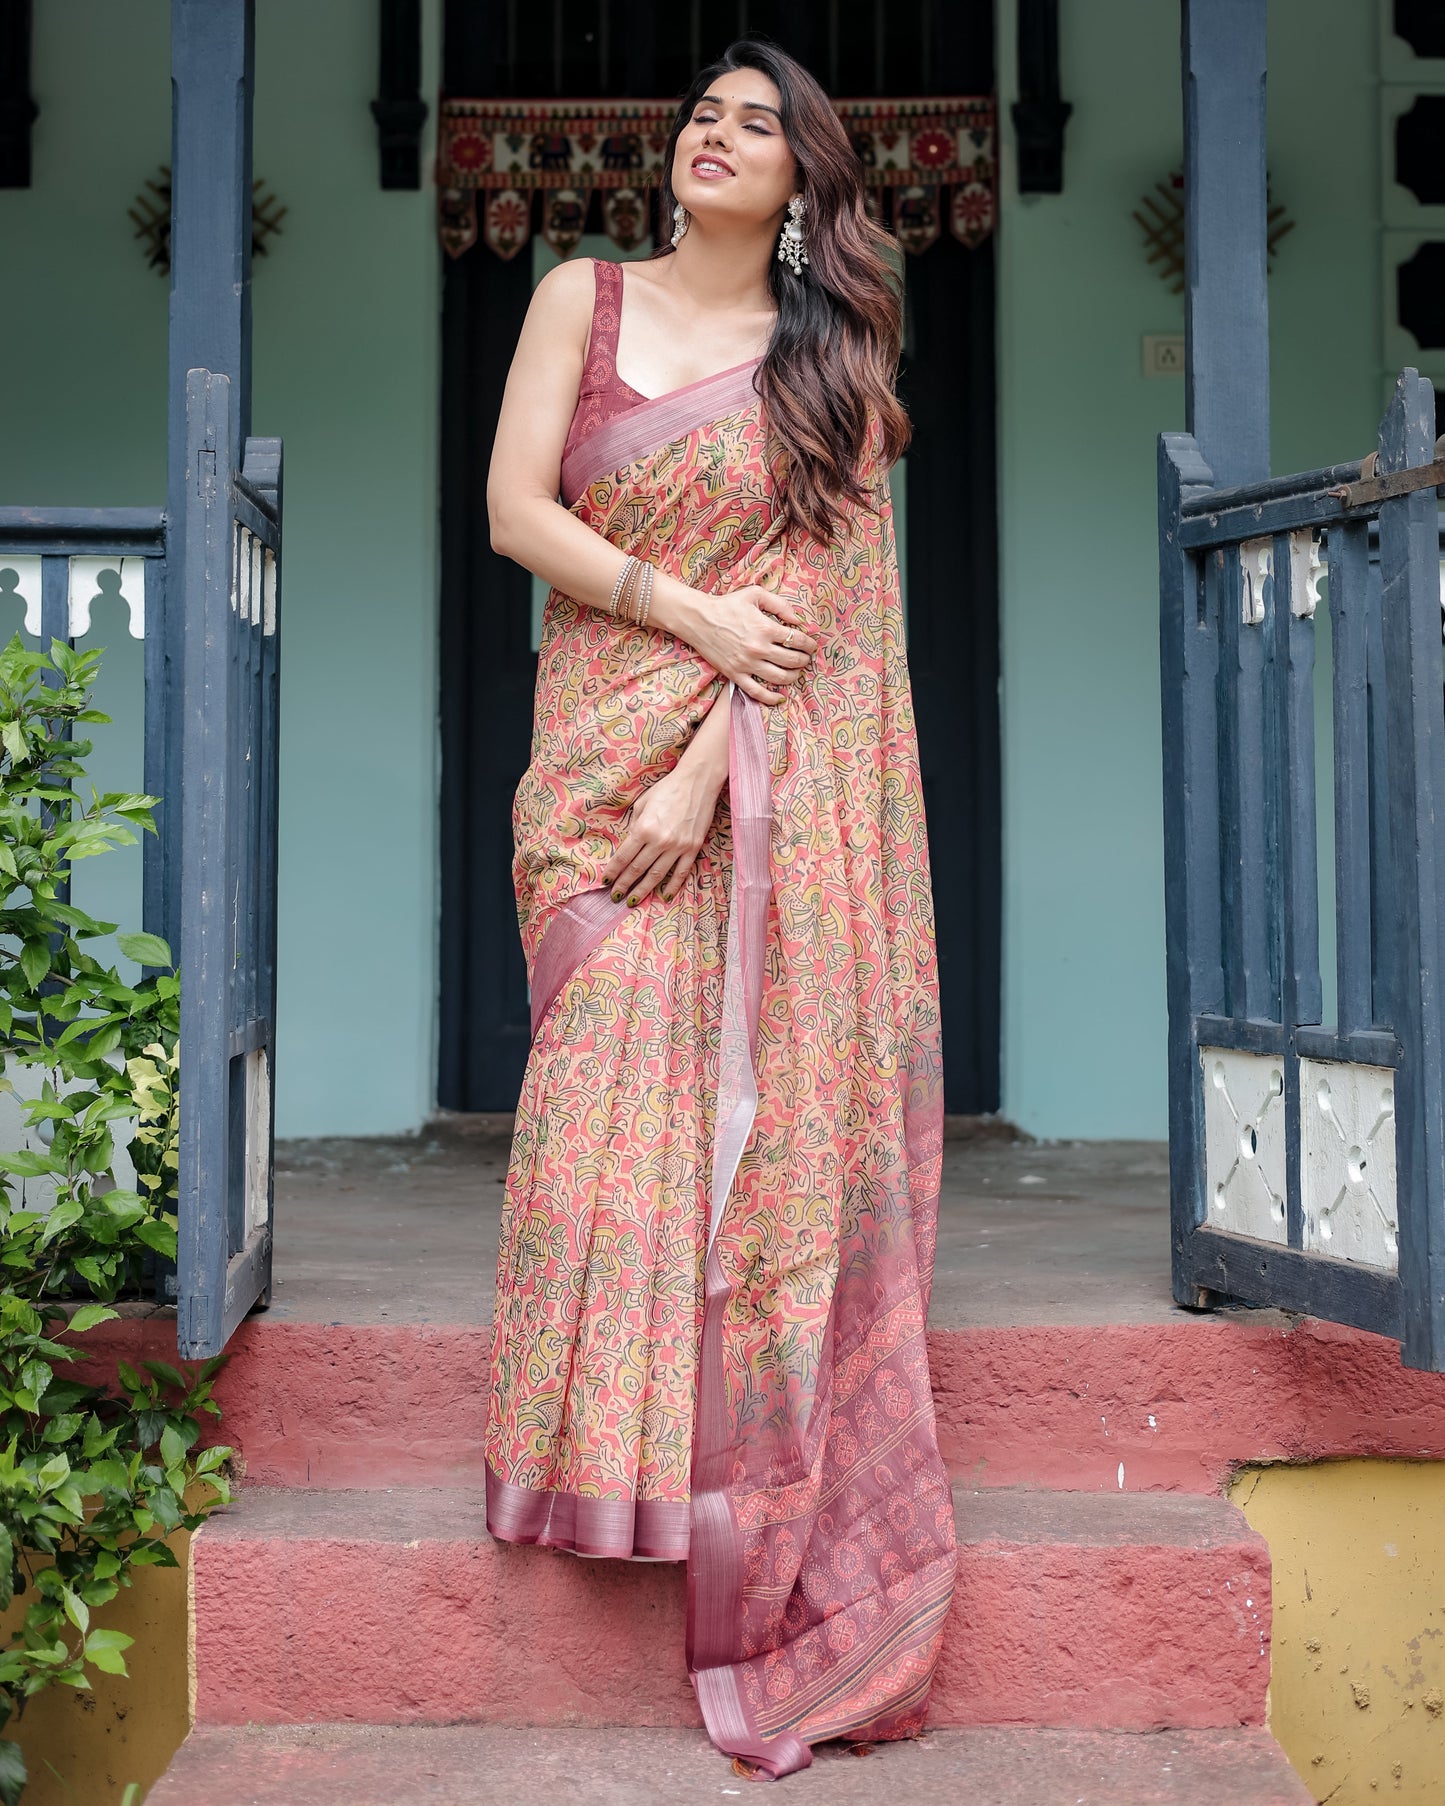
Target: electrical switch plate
point(1163, 354)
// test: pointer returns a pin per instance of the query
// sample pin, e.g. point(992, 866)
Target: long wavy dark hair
point(830, 365)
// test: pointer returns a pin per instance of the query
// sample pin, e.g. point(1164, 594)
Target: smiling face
point(732, 159)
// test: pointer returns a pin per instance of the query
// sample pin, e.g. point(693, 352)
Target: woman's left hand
point(668, 825)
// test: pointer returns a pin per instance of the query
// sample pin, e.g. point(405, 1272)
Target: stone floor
point(476, 1765)
point(1030, 1233)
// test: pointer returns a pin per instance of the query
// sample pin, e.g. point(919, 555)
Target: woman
point(720, 1216)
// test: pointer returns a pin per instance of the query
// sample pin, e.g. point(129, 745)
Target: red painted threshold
point(1128, 1407)
point(392, 1606)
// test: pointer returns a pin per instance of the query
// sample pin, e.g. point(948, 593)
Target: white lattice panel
point(1347, 1167)
point(258, 1139)
point(1245, 1142)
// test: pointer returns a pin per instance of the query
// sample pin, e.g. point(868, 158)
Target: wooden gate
point(228, 729)
point(1308, 1158)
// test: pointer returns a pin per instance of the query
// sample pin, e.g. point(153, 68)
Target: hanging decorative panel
point(923, 160)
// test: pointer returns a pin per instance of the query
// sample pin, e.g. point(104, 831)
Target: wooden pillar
point(212, 76)
point(1226, 317)
point(212, 71)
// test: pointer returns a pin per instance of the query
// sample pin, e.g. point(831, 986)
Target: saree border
point(716, 1560)
point(628, 436)
point(621, 1529)
point(572, 936)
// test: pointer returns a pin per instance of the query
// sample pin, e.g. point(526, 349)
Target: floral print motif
point(820, 1437)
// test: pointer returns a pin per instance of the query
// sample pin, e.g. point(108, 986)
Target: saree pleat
point(718, 1234)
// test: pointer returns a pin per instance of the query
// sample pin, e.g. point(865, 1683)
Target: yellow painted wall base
point(1357, 1673)
point(83, 1749)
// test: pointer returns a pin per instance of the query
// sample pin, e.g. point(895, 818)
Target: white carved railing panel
point(1256, 564)
point(1244, 1136)
point(1347, 1166)
point(1306, 572)
point(97, 579)
point(20, 578)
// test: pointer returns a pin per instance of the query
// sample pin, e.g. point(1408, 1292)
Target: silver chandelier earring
point(790, 241)
point(679, 222)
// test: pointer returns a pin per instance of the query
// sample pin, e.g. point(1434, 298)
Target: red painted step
point(462, 1765)
point(1133, 1407)
point(394, 1606)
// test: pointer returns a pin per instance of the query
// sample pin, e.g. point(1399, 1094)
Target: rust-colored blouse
point(603, 393)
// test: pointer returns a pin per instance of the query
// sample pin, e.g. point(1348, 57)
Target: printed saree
point(718, 1234)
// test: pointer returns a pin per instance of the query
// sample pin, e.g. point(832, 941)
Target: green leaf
point(107, 1639)
point(162, 1370)
point(66, 1212)
point(26, 1163)
point(35, 960)
point(90, 1314)
point(76, 919)
point(167, 1508)
point(173, 1447)
point(108, 1471)
point(16, 745)
point(13, 1775)
point(144, 949)
point(158, 1233)
point(103, 1042)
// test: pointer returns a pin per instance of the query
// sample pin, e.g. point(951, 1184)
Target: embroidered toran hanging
point(923, 161)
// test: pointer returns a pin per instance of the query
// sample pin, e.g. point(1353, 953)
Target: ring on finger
point(791, 631)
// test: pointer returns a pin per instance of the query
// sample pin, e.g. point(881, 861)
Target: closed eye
point(756, 125)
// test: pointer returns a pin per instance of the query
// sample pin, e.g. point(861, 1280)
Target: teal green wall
point(1084, 1014)
point(346, 362)
point(346, 371)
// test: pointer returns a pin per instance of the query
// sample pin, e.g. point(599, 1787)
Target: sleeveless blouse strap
point(600, 370)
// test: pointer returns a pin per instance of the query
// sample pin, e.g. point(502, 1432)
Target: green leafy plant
point(91, 1482)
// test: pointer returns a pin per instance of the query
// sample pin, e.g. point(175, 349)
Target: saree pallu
point(718, 1236)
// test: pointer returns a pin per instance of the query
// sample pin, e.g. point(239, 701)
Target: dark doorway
point(616, 48)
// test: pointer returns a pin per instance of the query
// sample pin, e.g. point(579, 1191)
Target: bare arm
point(740, 634)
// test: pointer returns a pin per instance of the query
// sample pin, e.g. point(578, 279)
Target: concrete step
point(1118, 1407)
point(385, 1606)
point(467, 1765)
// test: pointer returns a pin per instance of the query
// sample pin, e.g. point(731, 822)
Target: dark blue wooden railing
point(1308, 1158)
point(212, 645)
point(37, 546)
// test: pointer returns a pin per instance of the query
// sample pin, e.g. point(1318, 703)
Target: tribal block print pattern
point(759, 1401)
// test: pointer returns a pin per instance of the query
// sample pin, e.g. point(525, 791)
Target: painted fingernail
point(632, 902)
point(617, 896)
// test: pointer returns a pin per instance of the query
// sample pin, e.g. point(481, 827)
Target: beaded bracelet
point(630, 588)
point(627, 567)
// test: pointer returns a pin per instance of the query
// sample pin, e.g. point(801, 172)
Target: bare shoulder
point(562, 301)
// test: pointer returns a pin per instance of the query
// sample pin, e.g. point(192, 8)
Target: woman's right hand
point(755, 637)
